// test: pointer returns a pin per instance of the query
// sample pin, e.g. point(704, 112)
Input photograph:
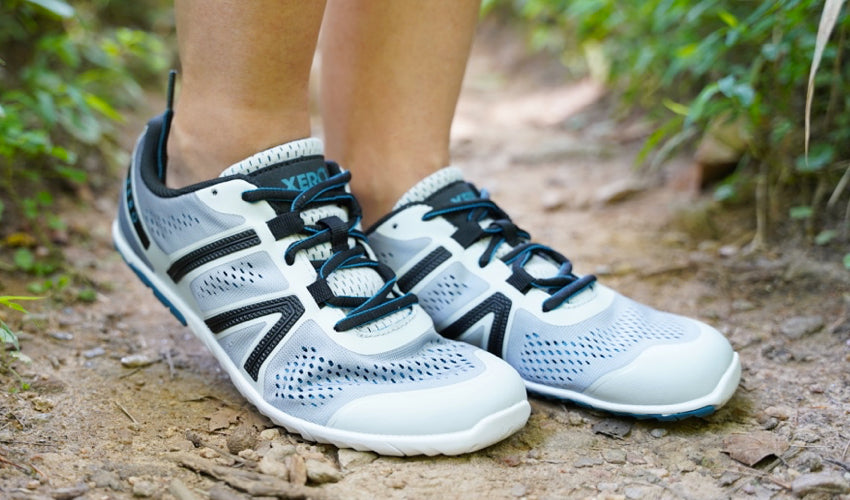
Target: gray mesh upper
point(573, 357)
point(396, 253)
point(450, 291)
point(311, 377)
point(237, 343)
point(238, 280)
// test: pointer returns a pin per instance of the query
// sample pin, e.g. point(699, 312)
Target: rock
point(272, 467)
point(823, 482)
point(138, 360)
point(613, 427)
point(807, 435)
point(587, 462)
point(143, 487)
point(242, 438)
point(635, 492)
point(250, 454)
point(106, 479)
point(352, 459)
point(69, 492)
point(809, 461)
point(799, 326)
point(658, 433)
point(519, 490)
point(93, 353)
point(551, 201)
point(780, 412)
point(607, 486)
point(619, 190)
point(321, 471)
point(269, 434)
point(728, 478)
point(615, 456)
point(62, 336)
point(297, 469)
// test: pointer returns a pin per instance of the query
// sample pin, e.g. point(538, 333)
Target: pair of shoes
point(269, 268)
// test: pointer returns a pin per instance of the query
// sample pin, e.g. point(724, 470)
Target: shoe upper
point(483, 280)
point(268, 263)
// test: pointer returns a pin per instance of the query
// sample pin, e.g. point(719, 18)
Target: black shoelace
point(347, 247)
point(467, 215)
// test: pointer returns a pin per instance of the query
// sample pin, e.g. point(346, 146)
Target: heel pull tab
point(162, 150)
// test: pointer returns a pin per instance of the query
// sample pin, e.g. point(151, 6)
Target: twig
point(253, 483)
point(838, 463)
point(4, 460)
point(130, 373)
point(846, 446)
point(125, 412)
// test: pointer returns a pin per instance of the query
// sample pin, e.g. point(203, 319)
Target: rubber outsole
point(486, 432)
point(698, 407)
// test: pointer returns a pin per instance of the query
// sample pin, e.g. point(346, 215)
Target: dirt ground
point(124, 402)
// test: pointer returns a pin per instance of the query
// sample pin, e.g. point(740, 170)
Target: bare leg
point(245, 72)
point(391, 75)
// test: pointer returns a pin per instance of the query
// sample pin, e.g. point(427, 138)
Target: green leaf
point(825, 236)
point(55, 7)
point(847, 261)
point(24, 259)
point(102, 107)
point(799, 213)
point(819, 157)
point(679, 109)
point(728, 18)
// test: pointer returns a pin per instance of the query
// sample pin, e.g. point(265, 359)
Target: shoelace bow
point(346, 254)
point(563, 285)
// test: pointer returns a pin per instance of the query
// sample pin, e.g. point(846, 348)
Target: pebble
point(62, 336)
point(615, 456)
point(273, 467)
point(209, 453)
point(138, 360)
point(807, 435)
point(93, 353)
point(143, 488)
point(618, 191)
point(352, 459)
point(823, 482)
point(743, 306)
point(242, 438)
point(658, 433)
point(798, 326)
point(297, 469)
point(269, 434)
point(70, 492)
point(519, 490)
point(728, 478)
point(612, 427)
point(587, 462)
point(635, 492)
point(607, 486)
point(780, 412)
point(321, 471)
point(810, 462)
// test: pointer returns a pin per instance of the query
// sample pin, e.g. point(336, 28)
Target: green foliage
point(63, 78)
point(696, 64)
point(11, 348)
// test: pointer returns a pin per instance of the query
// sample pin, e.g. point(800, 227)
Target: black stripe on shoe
point(134, 214)
point(423, 268)
point(500, 307)
point(290, 309)
point(208, 253)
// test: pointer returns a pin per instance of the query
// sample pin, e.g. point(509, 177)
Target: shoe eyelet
point(215, 192)
point(395, 225)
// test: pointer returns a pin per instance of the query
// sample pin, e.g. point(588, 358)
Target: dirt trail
point(97, 424)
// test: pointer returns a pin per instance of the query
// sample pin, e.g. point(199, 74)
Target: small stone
point(209, 453)
point(798, 326)
point(273, 467)
point(807, 435)
point(823, 482)
point(607, 486)
point(587, 462)
point(93, 353)
point(32, 484)
point(242, 438)
point(70, 492)
point(780, 412)
point(810, 462)
point(511, 460)
point(770, 423)
point(519, 490)
point(619, 190)
point(269, 434)
point(106, 479)
point(635, 492)
point(658, 433)
point(321, 471)
point(297, 469)
point(615, 456)
point(352, 459)
point(138, 360)
point(249, 454)
point(613, 427)
point(728, 478)
point(62, 336)
point(742, 305)
point(551, 201)
point(144, 488)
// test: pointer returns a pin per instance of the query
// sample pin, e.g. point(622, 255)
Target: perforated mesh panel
point(238, 280)
point(278, 154)
point(449, 291)
point(313, 376)
point(178, 222)
point(430, 185)
point(396, 253)
point(575, 356)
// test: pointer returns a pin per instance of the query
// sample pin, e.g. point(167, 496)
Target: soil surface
point(124, 402)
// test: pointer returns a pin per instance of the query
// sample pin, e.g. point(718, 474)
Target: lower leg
point(391, 75)
point(245, 72)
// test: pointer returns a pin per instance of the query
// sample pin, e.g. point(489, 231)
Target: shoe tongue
point(296, 165)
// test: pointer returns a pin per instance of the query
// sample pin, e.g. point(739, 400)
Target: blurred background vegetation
point(729, 70)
